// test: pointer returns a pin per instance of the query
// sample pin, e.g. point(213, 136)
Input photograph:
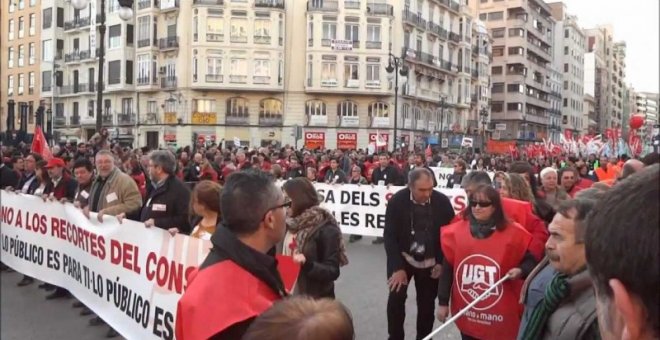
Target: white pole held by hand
point(464, 310)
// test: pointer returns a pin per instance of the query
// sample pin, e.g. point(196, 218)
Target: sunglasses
point(480, 204)
point(286, 204)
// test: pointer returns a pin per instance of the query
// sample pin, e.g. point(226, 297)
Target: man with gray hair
point(167, 204)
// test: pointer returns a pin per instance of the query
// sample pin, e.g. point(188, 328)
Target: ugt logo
point(474, 275)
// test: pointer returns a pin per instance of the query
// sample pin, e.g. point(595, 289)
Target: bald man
point(630, 167)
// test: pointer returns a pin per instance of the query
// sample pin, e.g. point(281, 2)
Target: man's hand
point(514, 273)
point(121, 217)
point(443, 312)
point(10, 189)
point(173, 231)
point(99, 215)
point(44, 197)
point(85, 211)
point(436, 271)
point(299, 258)
point(149, 223)
point(398, 279)
point(63, 200)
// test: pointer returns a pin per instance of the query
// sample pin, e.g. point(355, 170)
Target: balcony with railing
point(413, 19)
point(237, 79)
point(169, 43)
point(261, 39)
point(322, 6)
point(214, 78)
point(351, 4)
point(380, 9)
point(168, 83)
point(237, 119)
point(147, 42)
point(143, 4)
point(261, 80)
point(126, 119)
point(238, 39)
point(374, 44)
point(76, 23)
point(475, 73)
point(75, 119)
point(269, 4)
point(270, 119)
point(107, 118)
point(209, 2)
point(215, 37)
point(454, 37)
point(59, 121)
point(146, 81)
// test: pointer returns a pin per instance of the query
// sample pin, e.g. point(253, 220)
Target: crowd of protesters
point(544, 208)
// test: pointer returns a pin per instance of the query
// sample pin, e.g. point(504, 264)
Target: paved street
point(25, 314)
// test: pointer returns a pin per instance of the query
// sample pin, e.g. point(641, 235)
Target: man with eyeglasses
point(239, 280)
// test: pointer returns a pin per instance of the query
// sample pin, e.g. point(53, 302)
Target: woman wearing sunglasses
point(479, 250)
point(314, 240)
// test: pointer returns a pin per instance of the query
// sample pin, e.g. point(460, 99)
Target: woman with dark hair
point(313, 239)
point(132, 168)
point(205, 207)
point(542, 208)
point(480, 249)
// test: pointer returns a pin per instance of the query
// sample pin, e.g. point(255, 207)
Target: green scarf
point(556, 291)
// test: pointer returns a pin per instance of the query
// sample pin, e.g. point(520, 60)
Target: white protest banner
point(131, 276)
point(442, 175)
point(360, 209)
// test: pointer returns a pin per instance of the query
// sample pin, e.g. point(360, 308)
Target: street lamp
point(396, 65)
point(442, 119)
point(125, 13)
point(484, 119)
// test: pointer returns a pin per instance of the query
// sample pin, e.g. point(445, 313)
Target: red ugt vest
point(219, 296)
point(478, 264)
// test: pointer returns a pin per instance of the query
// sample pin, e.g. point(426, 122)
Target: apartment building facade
point(569, 49)
point(19, 57)
point(604, 77)
point(522, 57)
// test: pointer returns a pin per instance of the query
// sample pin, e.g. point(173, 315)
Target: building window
point(566, 33)
point(566, 68)
point(127, 106)
point(497, 106)
point(497, 88)
point(351, 32)
point(21, 83)
point(10, 85)
point(270, 108)
point(115, 36)
point(310, 73)
point(352, 75)
point(494, 16)
point(144, 22)
point(215, 28)
point(237, 107)
point(498, 51)
point(10, 57)
point(329, 74)
point(498, 32)
point(21, 55)
point(21, 4)
point(114, 72)
point(204, 105)
point(144, 69)
point(33, 23)
point(373, 34)
point(516, 32)
point(315, 107)
point(373, 75)
point(514, 106)
point(238, 70)
point(565, 50)
point(261, 71)
point(495, 70)
point(11, 29)
point(21, 27)
point(129, 71)
point(113, 6)
point(515, 88)
point(379, 109)
point(347, 109)
point(60, 17)
point(329, 31)
point(516, 51)
point(31, 52)
point(262, 31)
point(238, 30)
point(214, 66)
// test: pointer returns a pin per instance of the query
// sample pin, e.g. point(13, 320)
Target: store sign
point(342, 45)
point(314, 140)
point(384, 139)
point(204, 118)
point(346, 140)
point(169, 136)
point(170, 118)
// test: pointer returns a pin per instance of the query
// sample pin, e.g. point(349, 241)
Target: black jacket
point(454, 180)
point(389, 175)
point(33, 185)
point(294, 173)
point(191, 172)
point(321, 268)
point(397, 226)
point(168, 205)
point(8, 178)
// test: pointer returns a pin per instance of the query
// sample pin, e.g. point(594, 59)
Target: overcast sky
point(636, 22)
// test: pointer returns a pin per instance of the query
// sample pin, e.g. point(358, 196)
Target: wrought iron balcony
point(169, 43)
point(146, 80)
point(374, 44)
point(126, 118)
point(209, 2)
point(237, 119)
point(270, 120)
point(322, 6)
point(349, 4)
point(60, 120)
point(76, 23)
point(168, 83)
point(214, 78)
point(75, 120)
point(269, 3)
point(380, 9)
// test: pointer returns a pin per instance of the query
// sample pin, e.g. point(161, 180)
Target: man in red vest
point(518, 211)
point(238, 280)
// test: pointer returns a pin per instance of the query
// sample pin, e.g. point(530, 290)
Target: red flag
point(428, 152)
point(39, 144)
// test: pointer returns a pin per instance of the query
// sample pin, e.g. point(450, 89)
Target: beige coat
point(120, 194)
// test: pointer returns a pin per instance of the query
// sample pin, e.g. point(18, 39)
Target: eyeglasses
point(286, 204)
point(480, 204)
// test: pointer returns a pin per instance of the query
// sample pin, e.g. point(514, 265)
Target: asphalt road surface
point(362, 287)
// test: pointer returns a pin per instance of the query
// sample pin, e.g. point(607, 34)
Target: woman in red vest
point(479, 250)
